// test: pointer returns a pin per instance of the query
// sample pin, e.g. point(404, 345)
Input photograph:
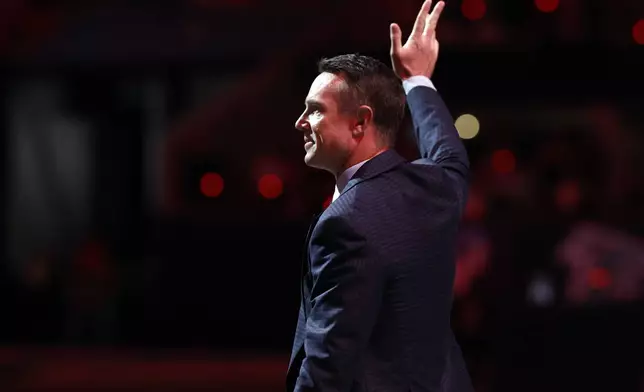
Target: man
point(377, 295)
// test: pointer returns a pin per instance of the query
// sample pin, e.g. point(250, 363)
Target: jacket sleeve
point(436, 135)
point(346, 296)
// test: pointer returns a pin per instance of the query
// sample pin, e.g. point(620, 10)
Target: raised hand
point(419, 54)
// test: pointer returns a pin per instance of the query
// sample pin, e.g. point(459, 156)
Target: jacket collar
point(379, 164)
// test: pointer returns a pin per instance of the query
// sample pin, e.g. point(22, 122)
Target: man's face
point(328, 140)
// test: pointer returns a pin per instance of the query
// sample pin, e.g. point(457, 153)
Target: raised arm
point(414, 63)
point(436, 135)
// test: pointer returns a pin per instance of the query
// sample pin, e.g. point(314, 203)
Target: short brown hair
point(370, 82)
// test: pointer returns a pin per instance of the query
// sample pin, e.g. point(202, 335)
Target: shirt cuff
point(418, 80)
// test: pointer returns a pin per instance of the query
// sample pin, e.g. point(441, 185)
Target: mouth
point(308, 142)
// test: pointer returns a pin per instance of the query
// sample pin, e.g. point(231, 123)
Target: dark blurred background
point(156, 200)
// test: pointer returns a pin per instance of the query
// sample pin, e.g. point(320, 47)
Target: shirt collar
point(343, 179)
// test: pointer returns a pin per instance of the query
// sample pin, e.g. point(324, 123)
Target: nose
point(301, 124)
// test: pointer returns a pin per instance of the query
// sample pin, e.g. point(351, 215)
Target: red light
point(503, 161)
point(567, 195)
point(599, 278)
point(212, 184)
point(473, 9)
point(638, 32)
point(547, 5)
point(270, 186)
point(475, 208)
point(327, 202)
point(218, 4)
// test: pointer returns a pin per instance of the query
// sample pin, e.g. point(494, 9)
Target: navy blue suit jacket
point(379, 270)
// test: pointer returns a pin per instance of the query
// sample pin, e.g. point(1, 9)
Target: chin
point(311, 160)
point(309, 157)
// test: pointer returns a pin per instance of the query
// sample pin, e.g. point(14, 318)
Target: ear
point(364, 118)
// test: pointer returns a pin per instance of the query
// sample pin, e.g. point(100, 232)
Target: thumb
point(395, 33)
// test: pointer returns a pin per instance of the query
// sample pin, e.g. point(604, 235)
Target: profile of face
point(329, 133)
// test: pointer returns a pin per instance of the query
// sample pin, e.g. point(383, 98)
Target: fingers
point(394, 32)
point(432, 19)
point(421, 19)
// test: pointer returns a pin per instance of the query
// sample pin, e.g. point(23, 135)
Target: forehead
point(325, 87)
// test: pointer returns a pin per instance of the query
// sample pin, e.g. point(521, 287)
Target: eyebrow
point(313, 102)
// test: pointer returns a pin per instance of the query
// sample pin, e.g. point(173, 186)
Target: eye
point(313, 107)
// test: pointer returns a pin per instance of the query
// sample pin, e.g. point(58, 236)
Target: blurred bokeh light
point(467, 126)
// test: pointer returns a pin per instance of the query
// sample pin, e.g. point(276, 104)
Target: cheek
point(327, 132)
point(317, 128)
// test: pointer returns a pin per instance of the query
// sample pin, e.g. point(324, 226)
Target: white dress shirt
point(343, 179)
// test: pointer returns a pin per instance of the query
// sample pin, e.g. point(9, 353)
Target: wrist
point(415, 81)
